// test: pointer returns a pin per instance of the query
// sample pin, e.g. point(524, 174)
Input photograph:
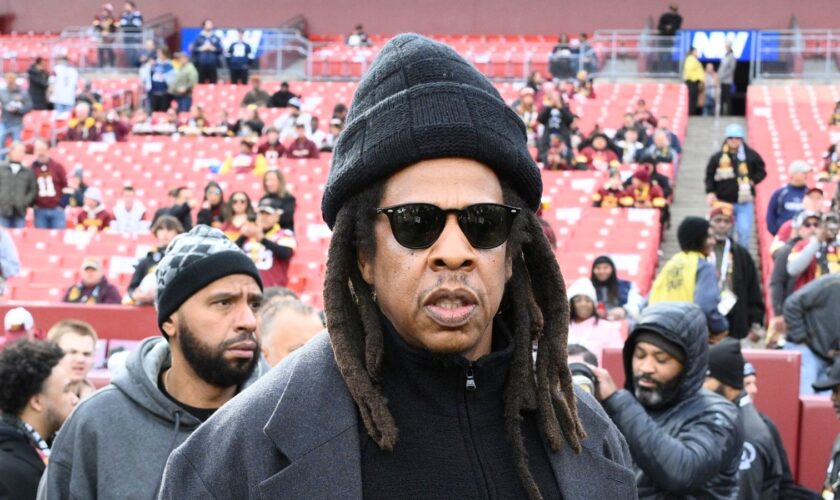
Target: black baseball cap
point(270, 206)
point(829, 382)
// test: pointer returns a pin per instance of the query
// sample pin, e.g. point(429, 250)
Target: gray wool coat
point(295, 434)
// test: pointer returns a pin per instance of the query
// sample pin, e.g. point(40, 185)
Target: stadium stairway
point(703, 136)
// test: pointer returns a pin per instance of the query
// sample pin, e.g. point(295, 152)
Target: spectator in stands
point(302, 147)
point(51, 179)
point(286, 326)
point(208, 294)
point(688, 277)
point(213, 206)
point(93, 287)
point(269, 246)
point(9, 260)
point(684, 441)
point(19, 324)
point(161, 80)
point(786, 201)
point(105, 26)
point(241, 213)
point(585, 326)
point(831, 484)
point(629, 123)
point(611, 192)
point(709, 91)
point(275, 188)
point(93, 216)
point(831, 164)
point(141, 289)
point(631, 148)
point(741, 298)
point(358, 38)
point(318, 136)
point(616, 298)
point(656, 179)
point(129, 213)
point(250, 124)
point(694, 76)
point(664, 123)
point(670, 22)
point(182, 203)
point(563, 60)
point(336, 126)
point(39, 82)
point(74, 194)
point(818, 255)
point(444, 274)
point(34, 401)
point(18, 188)
point(131, 26)
point(207, 53)
point(82, 126)
point(256, 96)
point(78, 341)
point(726, 75)
point(583, 85)
point(559, 155)
point(15, 103)
point(272, 149)
point(834, 119)
point(642, 193)
point(247, 161)
point(526, 108)
point(63, 85)
point(598, 155)
point(113, 127)
point(340, 112)
point(731, 176)
point(660, 150)
point(89, 95)
point(643, 115)
point(556, 118)
point(185, 80)
point(760, 471)
point(811, 317)
point(274, 294)
point(239, 58)
point(282, 97)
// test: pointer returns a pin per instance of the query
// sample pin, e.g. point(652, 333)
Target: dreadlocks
point(534, 300)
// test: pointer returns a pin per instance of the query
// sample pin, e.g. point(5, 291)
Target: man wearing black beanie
point(115, 444)
point(439, 282)
point(760, 472)
point(688, 277)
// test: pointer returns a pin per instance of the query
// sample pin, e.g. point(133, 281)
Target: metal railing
point(639, 54)
point(801, 54)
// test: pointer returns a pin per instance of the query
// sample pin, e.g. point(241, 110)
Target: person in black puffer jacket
point(686, 441)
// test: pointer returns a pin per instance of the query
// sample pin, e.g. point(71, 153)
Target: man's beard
point(210, 364)
point(654, 397)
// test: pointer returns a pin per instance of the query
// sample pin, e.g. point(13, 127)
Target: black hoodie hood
point(684, 324)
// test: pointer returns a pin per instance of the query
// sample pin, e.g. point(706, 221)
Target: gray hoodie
point(116, 442)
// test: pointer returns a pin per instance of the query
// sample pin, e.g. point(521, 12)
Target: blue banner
point(253, 37)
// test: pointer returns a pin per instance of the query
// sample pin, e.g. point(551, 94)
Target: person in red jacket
point(598, 155)
point(93, 287)
point(641, 193)
point(272, 149)
point(52, 179)
point(301, 147)
point(94, 216)
point(270, 247)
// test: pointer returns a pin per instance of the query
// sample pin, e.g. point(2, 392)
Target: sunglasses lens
point(416, 225)
point(486, 226)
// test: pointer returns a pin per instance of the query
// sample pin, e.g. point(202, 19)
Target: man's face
point(57, 399)
point(831, 231)
point(599, 143)
point(721, 226)
point(290, 330)
point(813, 201)
point(629, 121)
point(301, 132)
point(798, 179)
point(128, 197)
point(91, 203)
point(631, 135)
point(165, 237)
point(733, 143)
point(273, 137)
point(41, 150)
point(78, 355)
point(602, 272)
point(751, 385)
point(655, 372)
point(809, 227)
point(835, 399)
point(442, 298)
point(267, 220)
point(660, 140)
point(16, 153)
point(215, 330)
point(184, 196)
point(91, 276)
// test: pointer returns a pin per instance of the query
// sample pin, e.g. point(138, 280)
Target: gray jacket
point(726, 72)
point(15, 103)
point(116, 442)
point(812, 315)
point(298, 436)
point(17, 191)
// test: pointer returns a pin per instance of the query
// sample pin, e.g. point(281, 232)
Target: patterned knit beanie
point(194, 260)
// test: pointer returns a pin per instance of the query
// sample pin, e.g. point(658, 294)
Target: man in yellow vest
point(688, 277)
point(694, 76)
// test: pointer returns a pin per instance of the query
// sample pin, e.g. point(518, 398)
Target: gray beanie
point(194, 260)
point(420, 100)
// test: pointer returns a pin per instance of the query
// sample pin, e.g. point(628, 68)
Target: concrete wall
point(442, 16)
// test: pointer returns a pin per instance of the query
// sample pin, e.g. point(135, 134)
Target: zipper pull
point(470, 379)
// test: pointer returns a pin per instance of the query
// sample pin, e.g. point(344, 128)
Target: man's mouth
point(244, 349)
point(450, 308)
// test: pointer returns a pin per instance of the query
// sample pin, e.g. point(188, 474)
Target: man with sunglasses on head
point(439, 281)
point(819, 254)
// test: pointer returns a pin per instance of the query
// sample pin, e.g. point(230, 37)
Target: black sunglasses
point(418, 225)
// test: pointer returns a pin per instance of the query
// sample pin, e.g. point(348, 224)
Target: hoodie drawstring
point(177, 415)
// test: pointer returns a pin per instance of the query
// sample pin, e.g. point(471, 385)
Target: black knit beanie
point(661, 342)
point(194, 260)
point(726, 363)
point(692, 233)
point(420, 100)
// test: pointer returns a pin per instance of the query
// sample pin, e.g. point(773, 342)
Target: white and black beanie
point(194, 260)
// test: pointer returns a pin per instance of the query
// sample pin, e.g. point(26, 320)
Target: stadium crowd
point(682, 425)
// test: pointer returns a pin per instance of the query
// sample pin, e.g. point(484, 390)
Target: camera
point(583, 377)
